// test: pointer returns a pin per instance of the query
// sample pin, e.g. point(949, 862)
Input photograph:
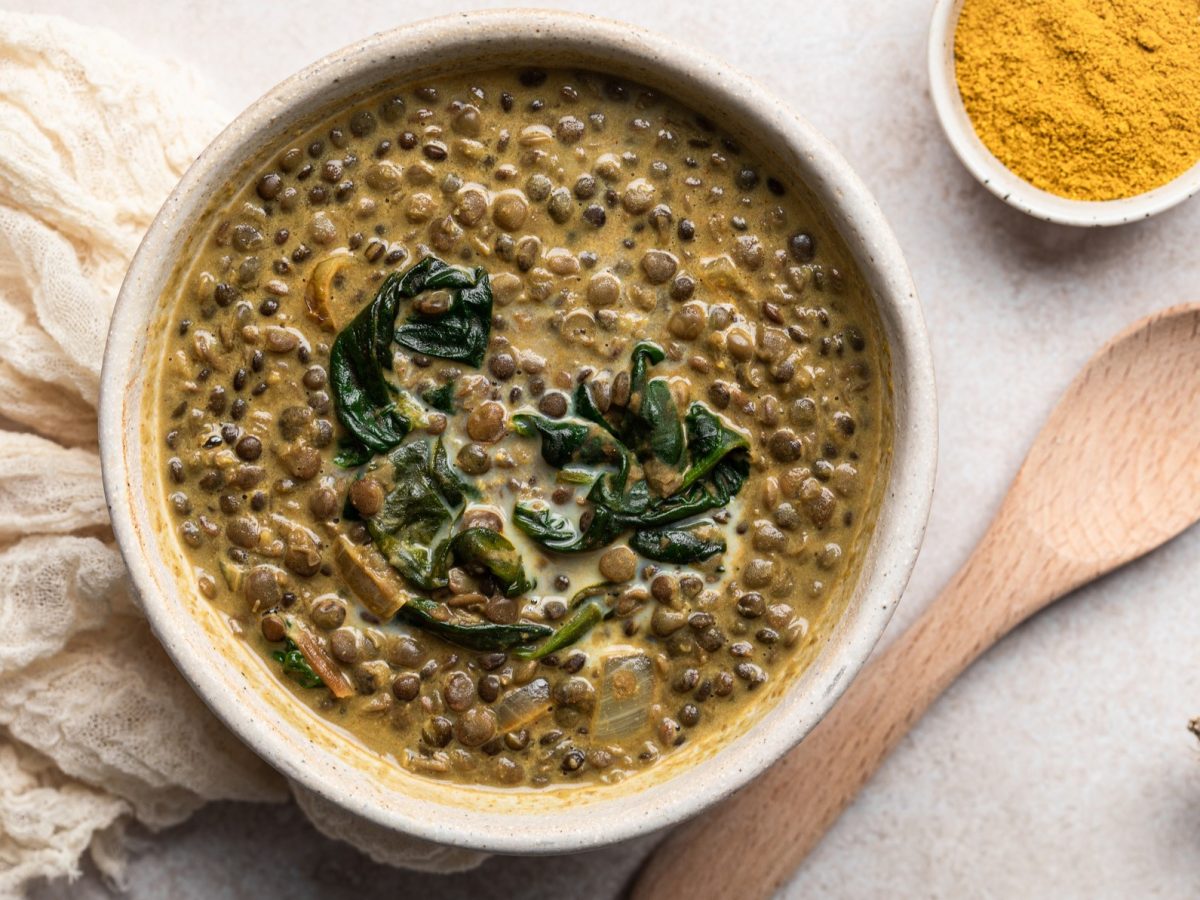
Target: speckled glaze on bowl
point(236, 685)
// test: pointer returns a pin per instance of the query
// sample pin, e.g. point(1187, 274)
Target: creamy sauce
point(603, 215)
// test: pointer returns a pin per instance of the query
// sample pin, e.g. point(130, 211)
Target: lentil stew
point(524, 423)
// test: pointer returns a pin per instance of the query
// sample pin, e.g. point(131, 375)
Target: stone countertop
point(1060, 765)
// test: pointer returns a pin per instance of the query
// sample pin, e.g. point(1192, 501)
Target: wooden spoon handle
point(749, 845)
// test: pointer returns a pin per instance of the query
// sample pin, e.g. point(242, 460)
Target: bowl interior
point(1001, 181)
point(234, 683)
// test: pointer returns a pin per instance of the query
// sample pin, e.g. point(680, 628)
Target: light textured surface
point(1060, 765)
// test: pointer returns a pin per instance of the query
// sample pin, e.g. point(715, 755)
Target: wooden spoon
point(1114, 473)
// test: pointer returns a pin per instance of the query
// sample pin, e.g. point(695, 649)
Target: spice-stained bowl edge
point(236, 689)
point(1002, 181)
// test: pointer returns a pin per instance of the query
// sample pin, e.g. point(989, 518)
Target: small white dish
point(1000, 180)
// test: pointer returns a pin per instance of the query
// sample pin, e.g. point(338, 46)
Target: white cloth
point(96, 725)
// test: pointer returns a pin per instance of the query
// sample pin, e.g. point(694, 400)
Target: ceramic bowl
point(1001, 181)
point(235, 684)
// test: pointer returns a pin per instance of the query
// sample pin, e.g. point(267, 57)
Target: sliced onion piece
point(233, 574)
point(523, 705)
point(321, 662)
point(626, 693)
point(377, 589)
point(318, 291)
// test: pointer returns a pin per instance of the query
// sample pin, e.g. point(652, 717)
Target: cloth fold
point(97, 728)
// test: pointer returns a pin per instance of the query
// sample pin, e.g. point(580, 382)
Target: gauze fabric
point(97, 728)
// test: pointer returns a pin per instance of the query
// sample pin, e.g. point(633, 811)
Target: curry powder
point(1087, 99)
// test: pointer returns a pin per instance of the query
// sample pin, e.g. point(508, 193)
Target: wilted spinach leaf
point(643, 355)
point(484, 636)
point(709, 441)
point(414, 505)
point(351, 453)
point(615, 508)
point(415, 511)
point(449, 482)
point(362, 396)
point(706, 463)
point(560, 439)
point(554, 532)
point(544, 525)
point(585, 408)
point(657, 423)
point(565, 441)
point(490, 550)
point(296, 666)
point(686, 544)
point(651, 423)
point(591, 607)
point(442, 398)
point(375, 412)
point(461, 332)
point(648, 429)
point(724, 481)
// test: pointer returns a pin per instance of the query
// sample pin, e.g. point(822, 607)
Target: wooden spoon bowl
point(1113, 474)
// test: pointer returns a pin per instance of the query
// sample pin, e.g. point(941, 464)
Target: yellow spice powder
point(1088, 99)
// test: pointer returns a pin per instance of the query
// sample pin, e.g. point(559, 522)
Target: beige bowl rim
point(460, 815)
